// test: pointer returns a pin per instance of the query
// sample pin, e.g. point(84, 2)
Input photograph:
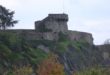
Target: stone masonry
point(49, 28)
point(54, 23)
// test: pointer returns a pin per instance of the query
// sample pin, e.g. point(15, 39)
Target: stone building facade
point(53, 23)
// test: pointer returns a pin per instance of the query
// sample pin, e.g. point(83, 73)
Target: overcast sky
point(91, 16)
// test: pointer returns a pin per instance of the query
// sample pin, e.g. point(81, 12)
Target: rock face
point(75, 49)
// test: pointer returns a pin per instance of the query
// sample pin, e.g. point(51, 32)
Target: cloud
point(91, 16)
point(10, 4)
point(99, 28)
point(93, 3)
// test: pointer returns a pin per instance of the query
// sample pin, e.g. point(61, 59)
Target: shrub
point(62, 37)
point(14, 57)
point(25, 70)
point(93, 71)
point(35, 55)
point(4, 50)
point(62, 46)
point(51, 66)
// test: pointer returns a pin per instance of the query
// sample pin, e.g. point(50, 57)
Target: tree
point(51, 66)
point(6, 18)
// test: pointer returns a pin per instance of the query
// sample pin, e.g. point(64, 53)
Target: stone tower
point(53, 23)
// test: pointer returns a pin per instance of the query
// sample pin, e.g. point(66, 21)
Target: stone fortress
point(56, 23)
point(49, 28)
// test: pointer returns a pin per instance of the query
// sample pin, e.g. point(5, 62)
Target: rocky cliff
point(75, 49)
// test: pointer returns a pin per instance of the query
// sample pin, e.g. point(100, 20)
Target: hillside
point(74, 50)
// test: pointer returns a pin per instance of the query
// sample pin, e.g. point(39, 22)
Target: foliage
point(17, 50)
point(93, 71)
point(24, 70)
point(62, 43)
point(15, 57)
point(35, 55)
point(62, 46)
point(50, 66)
point(9, 56)
point(79, 44)
point(10, 39)
point(6, 18)
point(62, 37)
point(14, 49)
point(4, 50)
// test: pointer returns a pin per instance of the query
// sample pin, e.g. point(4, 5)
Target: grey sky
point(84, 15)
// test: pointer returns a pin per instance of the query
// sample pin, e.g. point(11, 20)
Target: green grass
point(13, 48)
point(62, 46)
point(93, 71)
point(35, 55)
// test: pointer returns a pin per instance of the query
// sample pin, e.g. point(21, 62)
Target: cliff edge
point(75, 50)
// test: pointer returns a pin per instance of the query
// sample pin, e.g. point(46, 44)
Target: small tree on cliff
point(6, 18)
point(51, 66)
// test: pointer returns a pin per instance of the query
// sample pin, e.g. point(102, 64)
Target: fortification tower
point(53, 23)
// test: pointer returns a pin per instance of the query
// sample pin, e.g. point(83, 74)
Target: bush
point(63, 43)
point(24, 70)
point(10, 39)
point(4, 50)
point(51, 66)
point(14, 57)
point(93, 71)
point(62, 46)
point(62, 37)
point(35, 55)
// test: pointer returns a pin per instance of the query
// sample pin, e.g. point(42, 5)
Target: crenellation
point(59, 17)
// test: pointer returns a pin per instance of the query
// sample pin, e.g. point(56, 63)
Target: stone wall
point(27, 34)
point(105, 52)
point(33, 35)
point(76, 35)
point(50, 36)
point(49, 28)
point(54, 23)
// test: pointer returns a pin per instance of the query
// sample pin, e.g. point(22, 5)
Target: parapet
point(80, 36)
point(63, 17)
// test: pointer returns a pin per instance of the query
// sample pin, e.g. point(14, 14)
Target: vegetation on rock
point(51, 66)
point(93, 71)
point(24, 52)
